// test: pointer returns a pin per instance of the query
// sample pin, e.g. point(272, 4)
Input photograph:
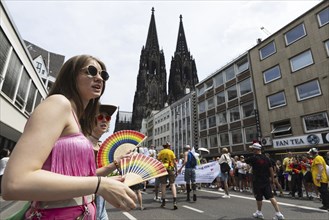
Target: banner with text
point(204, 173)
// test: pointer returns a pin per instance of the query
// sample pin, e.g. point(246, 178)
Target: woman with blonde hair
point(225, 158)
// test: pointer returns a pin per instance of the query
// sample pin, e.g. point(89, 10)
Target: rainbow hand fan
point(140, 168)
point(118, 144)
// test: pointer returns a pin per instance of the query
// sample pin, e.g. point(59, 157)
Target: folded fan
point(118, 144)
point(139, 168)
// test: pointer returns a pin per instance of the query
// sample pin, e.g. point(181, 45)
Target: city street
point(210, 205)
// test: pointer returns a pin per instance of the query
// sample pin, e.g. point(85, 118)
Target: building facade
point(227, 113)
point(291, 76)
point(21, 88)
point(151, 89)
point(277, 93)
point(123, 121)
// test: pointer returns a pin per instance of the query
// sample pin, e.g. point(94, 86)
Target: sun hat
point(109, 109)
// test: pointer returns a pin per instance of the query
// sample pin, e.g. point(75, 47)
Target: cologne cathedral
point(151, 90)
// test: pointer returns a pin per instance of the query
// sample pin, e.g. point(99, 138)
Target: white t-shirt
point(242, 167)
point(153, 153)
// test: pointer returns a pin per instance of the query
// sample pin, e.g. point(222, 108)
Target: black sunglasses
point(92, 72)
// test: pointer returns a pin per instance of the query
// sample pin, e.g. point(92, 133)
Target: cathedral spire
point(183, 74)
point(152, 36)
point(181, 46)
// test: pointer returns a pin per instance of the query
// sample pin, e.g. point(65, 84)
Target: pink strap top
point(72, 155)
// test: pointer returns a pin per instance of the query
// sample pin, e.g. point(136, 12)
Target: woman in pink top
point(53, 163)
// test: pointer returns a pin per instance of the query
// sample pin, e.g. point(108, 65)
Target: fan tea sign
point(311, 139)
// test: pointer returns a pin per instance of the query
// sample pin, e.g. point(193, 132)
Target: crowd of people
point(53, 164)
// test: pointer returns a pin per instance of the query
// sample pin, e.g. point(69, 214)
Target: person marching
point(262, 172)
point(320, 178)
point(189, 175)
point(168, 158)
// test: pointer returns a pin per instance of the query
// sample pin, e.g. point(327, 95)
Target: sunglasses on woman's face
point(92, 72)
point(101, 117)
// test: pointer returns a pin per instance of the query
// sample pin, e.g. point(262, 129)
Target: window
point(300, 61)
point(219, 79)
point(220, 98)
point(39, 66)
point(210, 103)
point(267, 50)
point(202, 107)
point(234, 114)
point(23, 87)
point(229, 73)
point(272, 74)
point(209, 85)
point(308, 90)
point(316, 122)
point(236, 137)
point(276, 100)
point(245, 87)
point(12, 75)
point(201, 90)
point(323, 17)
point(30, 100)
point(204, 142)
point(295, 34)
point(248, 110)
point(242, 65)
point(224, 139)
point(203, 124)
point(213, 141)
point(281, 128)
point(4, 51)
point(231, 93)
point(212, 121)
point(326, 44)
point(250, 134)
point(222, 118)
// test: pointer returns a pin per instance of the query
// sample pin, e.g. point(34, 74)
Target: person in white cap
point(320, 178)
point(262, 172)
point(189, 175)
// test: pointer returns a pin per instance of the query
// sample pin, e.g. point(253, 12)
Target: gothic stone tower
point(183, 74)
point(151, 90)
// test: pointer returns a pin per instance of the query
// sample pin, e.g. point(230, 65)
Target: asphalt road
point(210, 205)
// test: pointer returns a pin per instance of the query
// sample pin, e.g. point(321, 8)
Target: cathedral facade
point(151, 89)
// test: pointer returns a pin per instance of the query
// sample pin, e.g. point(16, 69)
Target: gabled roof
point(52, 61)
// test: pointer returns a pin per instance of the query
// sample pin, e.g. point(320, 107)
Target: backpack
point(192, 161)
point(225, 167)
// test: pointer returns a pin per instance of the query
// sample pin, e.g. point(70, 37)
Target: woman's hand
point(117, 193)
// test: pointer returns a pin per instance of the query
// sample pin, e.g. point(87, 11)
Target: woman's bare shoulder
point(55, 105)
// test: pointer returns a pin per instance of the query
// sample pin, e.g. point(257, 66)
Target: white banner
point(205, 173)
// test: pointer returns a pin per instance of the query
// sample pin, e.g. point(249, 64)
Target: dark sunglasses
point(92, 72)
point(101, 117)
